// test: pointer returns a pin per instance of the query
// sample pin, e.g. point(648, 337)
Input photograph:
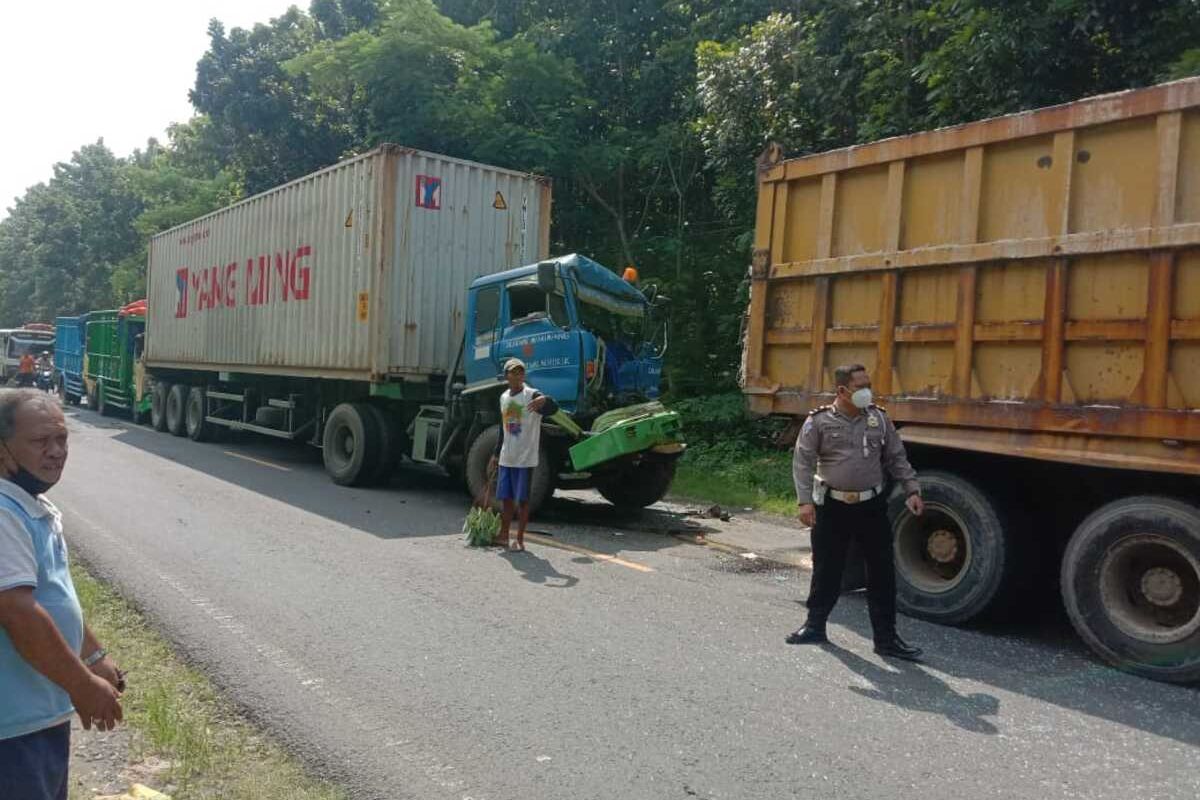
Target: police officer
point(838, 468)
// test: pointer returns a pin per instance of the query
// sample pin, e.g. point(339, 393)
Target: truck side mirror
point(547, 276)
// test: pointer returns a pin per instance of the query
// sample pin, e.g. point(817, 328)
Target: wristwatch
point(95, 657)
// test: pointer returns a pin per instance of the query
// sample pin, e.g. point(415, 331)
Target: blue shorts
point(514, 484)
point(34, 766)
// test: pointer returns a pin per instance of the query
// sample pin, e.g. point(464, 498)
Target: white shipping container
point(355, 272)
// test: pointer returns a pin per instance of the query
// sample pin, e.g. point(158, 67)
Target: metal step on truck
point(367, 309)
point(1025, 291)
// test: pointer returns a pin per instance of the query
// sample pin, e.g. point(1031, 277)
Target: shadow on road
point(912, 688)
point(1041, 659)
point(415, 503)
point(538, 570)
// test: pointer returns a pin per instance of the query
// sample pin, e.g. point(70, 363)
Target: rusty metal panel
point(1013, 274)
point(352, 272)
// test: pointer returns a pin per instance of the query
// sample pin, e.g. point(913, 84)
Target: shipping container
point(356, 272)
point(1025, 292)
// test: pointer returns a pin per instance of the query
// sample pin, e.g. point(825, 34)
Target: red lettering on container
point(269, 277)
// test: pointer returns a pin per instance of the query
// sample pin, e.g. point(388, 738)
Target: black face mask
point(30, 482)
point(27, 480)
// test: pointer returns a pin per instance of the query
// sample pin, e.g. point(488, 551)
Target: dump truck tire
point(177, 410)
point(1130, 580)
point(197, 429)
point(350, 444)
point(956, 561)
point(641, 486)
point(158, 406)
point(541, 484)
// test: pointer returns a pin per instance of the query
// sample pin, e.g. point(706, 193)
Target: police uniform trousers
point(837, 525)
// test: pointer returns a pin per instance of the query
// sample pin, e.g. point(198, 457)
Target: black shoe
point(898, 648)
point(808, 635)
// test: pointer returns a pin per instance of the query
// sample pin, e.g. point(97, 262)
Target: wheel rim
point(933, 551)
point(343, 444)
point(1150, 588)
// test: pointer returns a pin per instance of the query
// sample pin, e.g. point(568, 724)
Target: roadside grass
point(732, 459)
point(209, 751)
point(758, 480)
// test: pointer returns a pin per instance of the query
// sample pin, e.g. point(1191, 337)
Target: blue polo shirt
point(34, 553)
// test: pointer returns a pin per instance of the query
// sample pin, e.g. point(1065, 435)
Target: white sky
point(73, 71)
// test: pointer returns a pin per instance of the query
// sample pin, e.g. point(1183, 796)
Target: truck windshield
point(611, 319)
point(35, 347)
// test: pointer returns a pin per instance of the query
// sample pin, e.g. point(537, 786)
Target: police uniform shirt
point(849, 453)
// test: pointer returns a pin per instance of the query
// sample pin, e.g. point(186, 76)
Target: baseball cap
point(513, 363)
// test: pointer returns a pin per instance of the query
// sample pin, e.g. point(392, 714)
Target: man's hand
point(808, 514)
point(537, 403)
point(105, 668)
point(97, 702)
point(915, 504)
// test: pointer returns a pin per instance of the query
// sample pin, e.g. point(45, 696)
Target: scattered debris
point(712, 512)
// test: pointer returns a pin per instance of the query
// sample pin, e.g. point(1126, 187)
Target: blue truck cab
point(589, 339)
point(595, 343)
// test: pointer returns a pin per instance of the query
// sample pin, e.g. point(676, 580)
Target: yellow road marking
point(548, 542)
point(258, 461)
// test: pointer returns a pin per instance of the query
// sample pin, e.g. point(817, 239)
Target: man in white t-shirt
point(521, 410)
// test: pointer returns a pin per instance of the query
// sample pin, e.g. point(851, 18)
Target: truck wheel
point(197, 428)
point(1131, 585)
point(391, 444)
point(954, 561)
point(351, 444)
point(158, 406)
point(639, 486)
point(177, 410)
point(541, 486)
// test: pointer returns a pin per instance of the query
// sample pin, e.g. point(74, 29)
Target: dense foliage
point(648, 114)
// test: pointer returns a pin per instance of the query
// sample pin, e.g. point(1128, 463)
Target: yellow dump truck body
point(1025, 285)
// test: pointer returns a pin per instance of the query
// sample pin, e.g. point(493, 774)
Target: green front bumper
point(627, 431)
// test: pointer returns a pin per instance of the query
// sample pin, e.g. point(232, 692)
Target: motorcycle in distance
point(44, 378)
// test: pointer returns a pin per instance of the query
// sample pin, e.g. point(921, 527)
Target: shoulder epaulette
point(879, 407)
point(819, 409)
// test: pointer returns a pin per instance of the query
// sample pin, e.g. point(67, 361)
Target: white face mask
point(862, 398)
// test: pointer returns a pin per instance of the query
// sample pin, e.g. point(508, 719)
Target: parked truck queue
point(367, 309)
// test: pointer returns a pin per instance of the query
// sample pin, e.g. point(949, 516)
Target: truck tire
point(350, 444)
point(197, 429)
point(1130, 581)
point(177, 410)
point(954, 562)
point(541, 485)
point(391, 444)
point(158, 406)
point(641, 485)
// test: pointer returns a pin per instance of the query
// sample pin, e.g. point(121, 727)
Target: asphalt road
point(356, 626)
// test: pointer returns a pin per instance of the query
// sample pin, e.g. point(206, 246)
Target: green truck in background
point(113, 374)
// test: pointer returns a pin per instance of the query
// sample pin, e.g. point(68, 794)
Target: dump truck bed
point(1025, 285)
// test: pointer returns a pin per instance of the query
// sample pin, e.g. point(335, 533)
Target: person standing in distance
point(838, 467)
point(521, 410)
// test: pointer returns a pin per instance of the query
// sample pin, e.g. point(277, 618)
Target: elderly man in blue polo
point(50, 663)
